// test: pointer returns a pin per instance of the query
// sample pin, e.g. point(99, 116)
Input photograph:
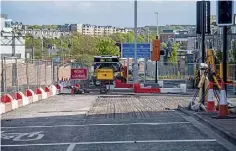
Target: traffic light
point(156, 47)
point(157, 52)
point(225, 13)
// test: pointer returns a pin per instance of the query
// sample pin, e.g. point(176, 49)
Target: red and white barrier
point(6, 103)
point(59, 88)
point(9, 103)
point(54, 90)
point(48, 91)
point(41, 93)
point(19, 98)
point(24, 98)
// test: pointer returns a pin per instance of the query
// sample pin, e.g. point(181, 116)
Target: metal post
point(203, 45)
point(157, 69)
point(58, 73)
point(225, 55)
point(2, 76)
point(145, 60)
point(62, 53)
point(127, 79)
point(135, 44)
point(5, 75)
point(13, 44)
point(27, 74)
point(32, 42)
point(42, 48)
point(17, 81)
point(52, 72)
point(45, 73)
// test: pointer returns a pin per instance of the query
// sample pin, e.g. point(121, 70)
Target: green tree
point(119, 37)
point(219, 55)
point(174, 54)
point(233, 52)
point(106, 46)
point(163, 45)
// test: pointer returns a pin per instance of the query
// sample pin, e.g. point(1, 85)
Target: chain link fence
point(22, 74)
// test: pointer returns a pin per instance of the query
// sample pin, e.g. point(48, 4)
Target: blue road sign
point(143, 50)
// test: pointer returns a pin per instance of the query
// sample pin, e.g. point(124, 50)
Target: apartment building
point(76, 28)
point(108, 30)
point(99, 31)
point(92, 30)
point(122, 30)
point(88, 29)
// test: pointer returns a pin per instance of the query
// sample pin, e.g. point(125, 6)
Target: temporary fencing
point(23, 74)
point(170, 71)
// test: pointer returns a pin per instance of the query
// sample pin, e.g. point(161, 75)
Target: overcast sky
point(114, 13)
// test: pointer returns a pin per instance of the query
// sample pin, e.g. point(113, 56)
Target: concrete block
point(183, 87)
point(171, 90)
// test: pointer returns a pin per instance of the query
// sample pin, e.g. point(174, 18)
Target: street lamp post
point(135, 44)
point(157, 71)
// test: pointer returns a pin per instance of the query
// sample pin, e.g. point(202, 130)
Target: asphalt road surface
point(114, 123)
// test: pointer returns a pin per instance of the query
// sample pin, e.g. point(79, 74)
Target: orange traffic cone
point(211, 103)
point(223, 106)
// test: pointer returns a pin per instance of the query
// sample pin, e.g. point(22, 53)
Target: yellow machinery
point(105, 74)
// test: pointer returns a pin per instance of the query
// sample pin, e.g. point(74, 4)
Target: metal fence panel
point(20, 75)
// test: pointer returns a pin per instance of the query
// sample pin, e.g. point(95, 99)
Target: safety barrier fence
point(24, 81)
point(181, 70)
point(22, 74)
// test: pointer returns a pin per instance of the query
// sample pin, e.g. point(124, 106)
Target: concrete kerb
point(218, 130)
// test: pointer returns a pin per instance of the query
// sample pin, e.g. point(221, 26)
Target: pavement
point(108, 122)
point(225, 127)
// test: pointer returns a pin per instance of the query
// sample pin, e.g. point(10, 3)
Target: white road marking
point(121, 124)
point(112, 142)
point(71, 147)
point(22, 136)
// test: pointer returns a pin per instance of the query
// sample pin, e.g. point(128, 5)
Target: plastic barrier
point(119, 84)
point(139, 89)
point(31, 95)
point(19, 96)
point(59, 88)
point(6, 103)
point(48, 91)
point(54, 90)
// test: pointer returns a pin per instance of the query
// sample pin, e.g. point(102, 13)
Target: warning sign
point(105, 74)
point(79, 74)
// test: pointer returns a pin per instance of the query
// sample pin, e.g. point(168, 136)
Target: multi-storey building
point(122, 30)
point(92, 30)
point(64, 28)
point(109, 30)
point(99, 31)
point(76, 28)
point(88, 29)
